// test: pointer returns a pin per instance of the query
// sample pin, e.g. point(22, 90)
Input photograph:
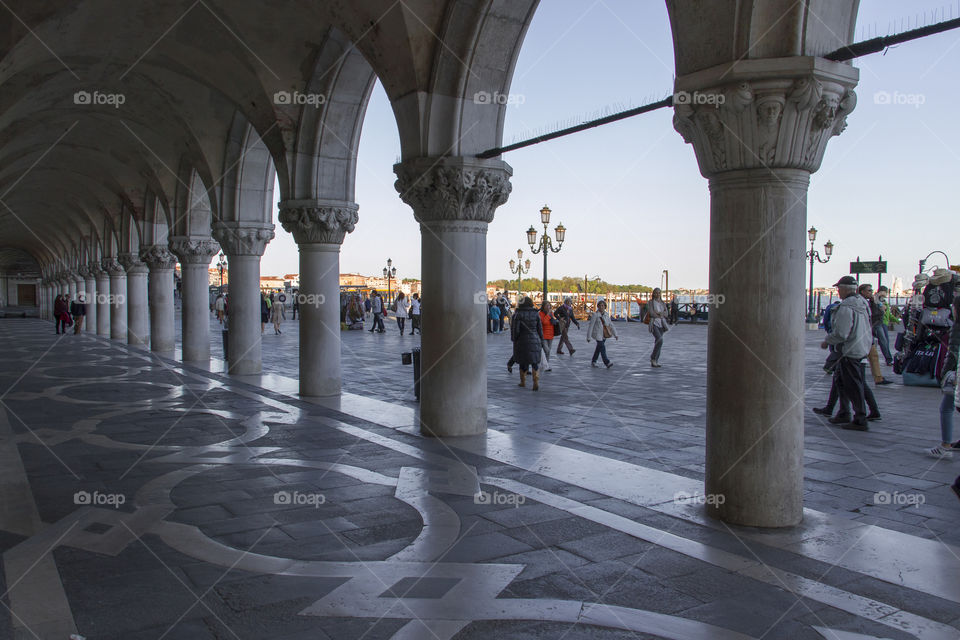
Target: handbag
point(936, 317)
point(607, 331)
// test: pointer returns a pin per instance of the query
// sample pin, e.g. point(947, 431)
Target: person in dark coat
point(526, 331)
point(61, 313)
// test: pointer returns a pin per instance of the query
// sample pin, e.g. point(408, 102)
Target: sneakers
point(884, 381)
point(873, 417)
point(839, 419)
point(823, 411)
point(941, 452)
point(593, 364)
point(856, 426)
point(609, 364)
point(654, 364)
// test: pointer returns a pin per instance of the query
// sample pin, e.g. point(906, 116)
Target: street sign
point(868, 267)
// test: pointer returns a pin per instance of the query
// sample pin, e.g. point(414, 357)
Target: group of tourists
point(272, 310)
point(403, 308)
point(533, 330)
point(67, 312)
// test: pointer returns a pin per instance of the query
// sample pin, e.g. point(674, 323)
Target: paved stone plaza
point(148, 499)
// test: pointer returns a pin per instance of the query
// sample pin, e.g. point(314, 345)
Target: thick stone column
point(103, 301)
point(244, 243)
point(138, 320)
point(71, 286)
point(118, 298)
point(160, 262)
point(90, 273)
point(454, 200)
point(195, 254)
point(759, 129)
point(319, 228)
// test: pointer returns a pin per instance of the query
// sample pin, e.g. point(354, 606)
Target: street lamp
point(389, 272)
point(221, 263)
point(521, 268)
point(814, 257)
point(545, 244)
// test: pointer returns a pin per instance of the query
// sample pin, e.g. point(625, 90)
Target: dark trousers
point(564, 340)
point(400, 322)
point(601, 352)
point(61, 323)
point(378, 322)
point(850, 386)
point(503, 313)
point(868, 396)
point(415, 324)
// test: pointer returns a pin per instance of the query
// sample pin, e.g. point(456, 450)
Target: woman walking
point(277, 314)
point(565, 318)
point(657, 311)
point(415, 314)
point(264, 311)
point(600, 328)
point(526, 331)
point(549, 323)
point(401, 307)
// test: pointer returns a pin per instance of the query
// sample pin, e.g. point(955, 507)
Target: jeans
point(658, 337)
point(601, 352)
point(400, 322)
point(850, 385)
point(546, 345)
point(946, 419)
point(415, 323)
point(882, 334)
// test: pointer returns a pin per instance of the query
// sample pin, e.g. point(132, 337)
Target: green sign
point(868, 267)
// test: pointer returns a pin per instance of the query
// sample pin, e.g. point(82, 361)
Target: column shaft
point(244, 315)
point(103, 304)
point(118, 307)
point(195, 310)
point(90, 324)
point(138, 320)
point(160, 294)
point(320, 371)
point(755, 346)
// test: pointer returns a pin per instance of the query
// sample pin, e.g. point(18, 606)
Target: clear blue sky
point(630, 193)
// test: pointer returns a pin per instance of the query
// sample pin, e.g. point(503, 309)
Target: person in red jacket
point(549, 322)
point(61, 313)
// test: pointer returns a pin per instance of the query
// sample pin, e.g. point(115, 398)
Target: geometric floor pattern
point(142, 498)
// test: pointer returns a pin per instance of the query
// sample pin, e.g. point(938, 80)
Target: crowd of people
point(69, 313)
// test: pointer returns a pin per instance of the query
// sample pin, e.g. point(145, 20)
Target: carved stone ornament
point(112, 266)
point(194, 250)
point(95, 269)
point(312, 221)
point(770, 120)
point(243, 238)
point(450, 189)
point(85, 272)
point(131, 263)
point(157, 256)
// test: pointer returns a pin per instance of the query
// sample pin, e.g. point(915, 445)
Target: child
point(495, 318)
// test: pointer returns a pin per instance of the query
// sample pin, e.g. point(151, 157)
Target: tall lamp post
point(545, 245)
point(389, 272)
point(221, 263)
point(521, 268)
point(814, 257)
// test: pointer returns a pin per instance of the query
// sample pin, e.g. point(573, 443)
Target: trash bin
point(226, 352)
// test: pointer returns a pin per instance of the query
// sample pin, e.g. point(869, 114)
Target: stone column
point(138, 321)
point(244, 243)
point(118, 298)
point(71, 286)
point(195, 254)
point(759, 129)
point(160, 262)
point(91, 273)
point(103, 301)
point(319, 228)
point(454, 200)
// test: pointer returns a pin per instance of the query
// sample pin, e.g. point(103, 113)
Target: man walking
point(882, 332)
point(876, 319)
point(376, 306)
point(851, 335)
point(565, 317)
point(78, 310)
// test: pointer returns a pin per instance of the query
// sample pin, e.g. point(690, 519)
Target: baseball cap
point(849, 281)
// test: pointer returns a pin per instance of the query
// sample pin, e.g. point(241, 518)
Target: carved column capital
point(85, 272)
point(112, 266)
point(96, 271)
point(194, 250)
point(318, 221)
point(774, 114)
point(453, 189)
point(131, 263)
point(243, 238)
point(157, 256)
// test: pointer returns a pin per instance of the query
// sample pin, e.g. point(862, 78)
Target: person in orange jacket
point(549, 323)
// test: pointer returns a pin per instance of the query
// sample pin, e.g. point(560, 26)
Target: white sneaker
point(941, 452)
point(549, 368)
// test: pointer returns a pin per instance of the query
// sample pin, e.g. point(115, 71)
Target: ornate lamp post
point(814, 257)
point(545, 245)
point(221, 263)
point(389, 272)
point(521, 268)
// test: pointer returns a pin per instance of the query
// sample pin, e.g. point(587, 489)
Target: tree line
point(569, 283)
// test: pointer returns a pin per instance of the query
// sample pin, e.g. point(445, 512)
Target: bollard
point(226, 353)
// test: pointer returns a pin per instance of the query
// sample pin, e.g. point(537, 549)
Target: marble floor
point(142, 498)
